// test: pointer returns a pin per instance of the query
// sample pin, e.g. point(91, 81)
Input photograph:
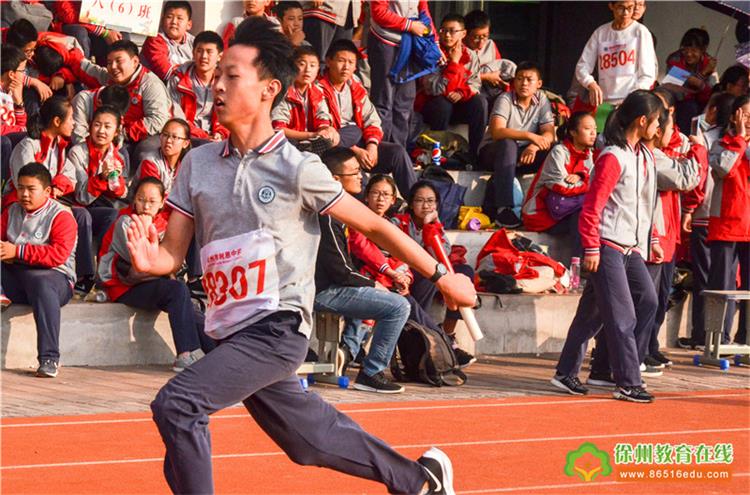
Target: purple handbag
point(560, 206)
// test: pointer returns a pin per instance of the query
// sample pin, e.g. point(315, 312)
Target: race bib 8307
point(240, 278)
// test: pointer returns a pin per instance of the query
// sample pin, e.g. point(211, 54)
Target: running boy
point(37, 251)
point(263, 319)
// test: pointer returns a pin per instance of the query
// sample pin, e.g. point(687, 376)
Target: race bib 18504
point(617, 58)
point(240, 278)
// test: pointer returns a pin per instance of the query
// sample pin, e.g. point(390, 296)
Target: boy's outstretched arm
point(457, 289)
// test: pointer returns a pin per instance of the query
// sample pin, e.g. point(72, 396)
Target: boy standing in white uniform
point(261, 288)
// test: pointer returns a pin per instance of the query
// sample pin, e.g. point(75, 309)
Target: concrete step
point(108, 334)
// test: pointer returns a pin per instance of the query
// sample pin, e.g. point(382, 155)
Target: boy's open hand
point(143, 243)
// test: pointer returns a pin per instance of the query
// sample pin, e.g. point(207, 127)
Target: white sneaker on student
point(439, 469)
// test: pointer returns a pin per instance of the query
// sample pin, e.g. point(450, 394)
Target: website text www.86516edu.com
point(669, 473)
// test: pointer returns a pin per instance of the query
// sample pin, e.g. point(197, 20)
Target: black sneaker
point(632, 394)
point(82, 287)
point(508, 219)
point(570, 384)
point(647, 370)
point(463, 358)
point(658, 356)
point(690, 343)
point(376, 383)
point(653, 362)
point(439, 470)
point(47, 368)
point(600, 380)
point(196, 289)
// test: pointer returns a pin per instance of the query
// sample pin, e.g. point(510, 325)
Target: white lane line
point(570, 402)
point(406, 446)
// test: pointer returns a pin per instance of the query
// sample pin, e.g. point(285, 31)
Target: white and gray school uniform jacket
point(78, 157)
point(25, 152)
point(334, 12)
point(403, 8)
point(673, 174)
point(204, 97)
point(167, 175)
point(34, 229)
point(628, 215)
point(703, 211)
point(155, 101)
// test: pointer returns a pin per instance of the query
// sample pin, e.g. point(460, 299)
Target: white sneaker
point(439, 469)
point(182, 362)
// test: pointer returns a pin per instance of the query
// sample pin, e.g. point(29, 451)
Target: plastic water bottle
point(113, 180)
point(575, 274)
point(436, 154)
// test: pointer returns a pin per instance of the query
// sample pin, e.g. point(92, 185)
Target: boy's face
point(478, 38)
point(526, 83)
point(692, 54)
point(240, 95)
point(206, 56)
point(307, 69)
point(31, 193)
point(29, 49)
point(14, 76)
point(341, 66)
point(292, 21)
point(350, 177)
point(176, 23)
point(121, 66)
point(622, 11)
point(254, 7)
point(451, 33)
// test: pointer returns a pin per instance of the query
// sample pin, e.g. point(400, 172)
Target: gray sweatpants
point(257, 366)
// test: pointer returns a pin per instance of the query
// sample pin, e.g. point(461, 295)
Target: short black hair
point(695, 38)
point(274, 60)
point(282, 7)
point(421, 184)
point(527, 66)
point(342, 45)
point(666, 96)
point(47, 60)
point(453, 17)
point(177, 4)
point(304, 50)
point(124, 46)
point(209, 37)
point(116, 96)
point(334, 158)
point(477, 19)
point(34, 169)
point(21, 33)
point(11, 58)
point(108, 109)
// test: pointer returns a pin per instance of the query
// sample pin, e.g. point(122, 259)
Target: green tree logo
point(587, 462)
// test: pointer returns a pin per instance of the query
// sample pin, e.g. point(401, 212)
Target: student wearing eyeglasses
point(164, 162)
point(451, 95)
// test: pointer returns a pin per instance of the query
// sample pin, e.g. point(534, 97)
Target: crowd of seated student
point(106, 114)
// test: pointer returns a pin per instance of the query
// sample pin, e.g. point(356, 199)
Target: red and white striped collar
point(271, 145)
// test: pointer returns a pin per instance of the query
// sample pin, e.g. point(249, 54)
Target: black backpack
point(425, 355)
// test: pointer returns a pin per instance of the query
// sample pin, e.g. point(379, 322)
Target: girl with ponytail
point(616, 226)
point(554, 200)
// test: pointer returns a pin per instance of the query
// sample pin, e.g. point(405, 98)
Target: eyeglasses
point(623, 8)
point(379, 194)
point(359, 171)
point(173, 137)
point(480, 37)
point(451, 32)
point(426, 202)
point(145, 202)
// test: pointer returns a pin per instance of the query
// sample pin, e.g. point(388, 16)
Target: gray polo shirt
point(531, 119)
point(256, 218)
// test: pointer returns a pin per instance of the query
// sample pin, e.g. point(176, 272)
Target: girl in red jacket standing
point(555, 197)
point(729, 222)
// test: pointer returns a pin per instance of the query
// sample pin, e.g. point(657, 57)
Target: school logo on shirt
point(266, 194)
point(38, 234)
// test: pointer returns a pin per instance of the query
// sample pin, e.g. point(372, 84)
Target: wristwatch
point(440, 270)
